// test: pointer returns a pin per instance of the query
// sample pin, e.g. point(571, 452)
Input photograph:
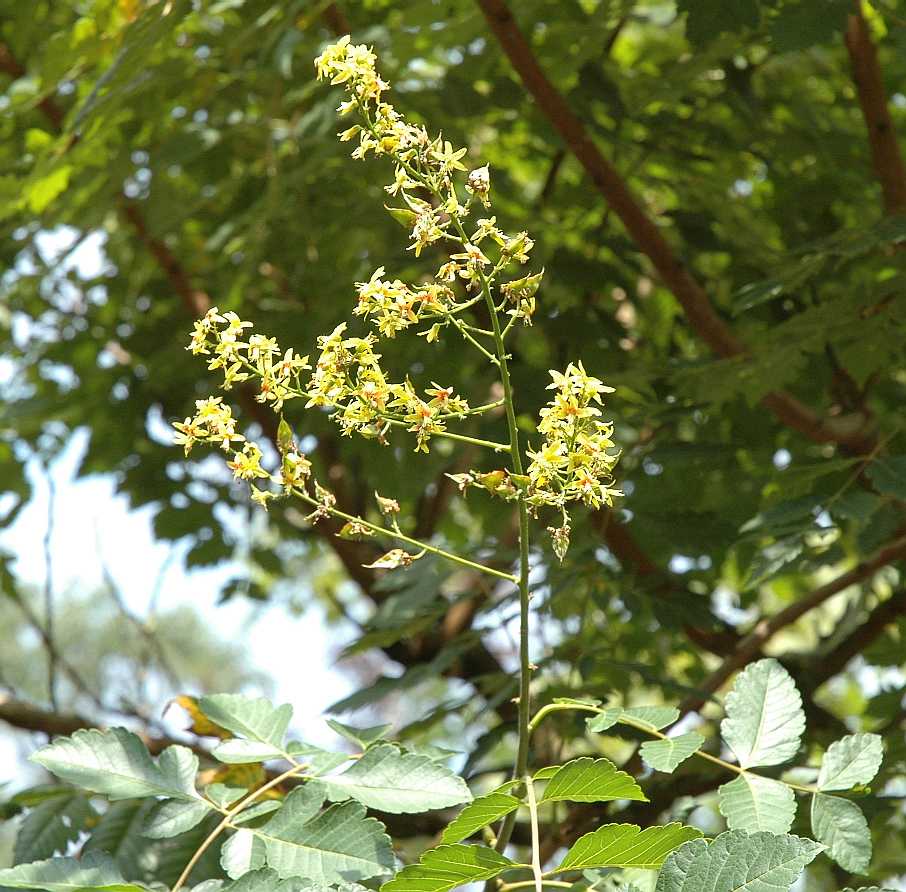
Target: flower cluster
point(395, 306)
point(575, 461)
point(220, 336)
point(422, 165)
point(348, 377)
point(213, 422)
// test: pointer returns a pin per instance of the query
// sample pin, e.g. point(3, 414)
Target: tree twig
point(700, 312)
point(887, 160)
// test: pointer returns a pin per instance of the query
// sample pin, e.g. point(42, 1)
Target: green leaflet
point(854, 759)
point(318, 761)
point(447, 867)
point(117, 764)
point(737, 862)
point(119, 834)
point(95, 870)
point(764, 718)
point(653, 717)
point(174, 816)
point(238, 751)
point(626, 845)
point(51, 825)
point(364, 737)
point(393, 781)
point(667, 754)
point(755, 803)
point(591, 780)
point(604, 720)
point(266, 880)
point(338, 845)
point(256, 720)
point(480, 813)
point(841, 826)
point(241, 853)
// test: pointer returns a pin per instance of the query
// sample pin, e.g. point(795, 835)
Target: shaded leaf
point(667, 754)
point(51, 825)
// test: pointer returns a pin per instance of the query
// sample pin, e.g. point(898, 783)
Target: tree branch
point(886, 157)
point(751, 646)
point(696, 304)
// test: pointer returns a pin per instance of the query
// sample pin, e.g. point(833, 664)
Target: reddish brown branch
point(887, 160)
point(666, 586)
point(751, 646)
point(695, 302)
point(832, 663)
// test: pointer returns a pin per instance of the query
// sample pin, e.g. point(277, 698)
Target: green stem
point(525, 884)
point(402, 537)
point(536, 845)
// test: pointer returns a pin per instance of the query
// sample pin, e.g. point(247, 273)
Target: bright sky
point(88, 511)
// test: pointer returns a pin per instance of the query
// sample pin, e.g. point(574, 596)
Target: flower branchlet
point(575, 459)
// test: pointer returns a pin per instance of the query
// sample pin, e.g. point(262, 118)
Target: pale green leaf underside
point(626, 845)
point(480, 813)
point(174, 816)
point(668, 754)
point(249, 717)
point(591, 780)
point(390, 780)
point(757, 803)
point(95, 870)
point(238, 751)
point(737, 862)
point(338, 845)
point(654, 717)
point(764, 718)
point(117, 764)
point(854, 759)
point(841, 826)
point(447, 867)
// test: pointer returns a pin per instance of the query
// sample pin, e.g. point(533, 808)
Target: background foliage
point(717, 196)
